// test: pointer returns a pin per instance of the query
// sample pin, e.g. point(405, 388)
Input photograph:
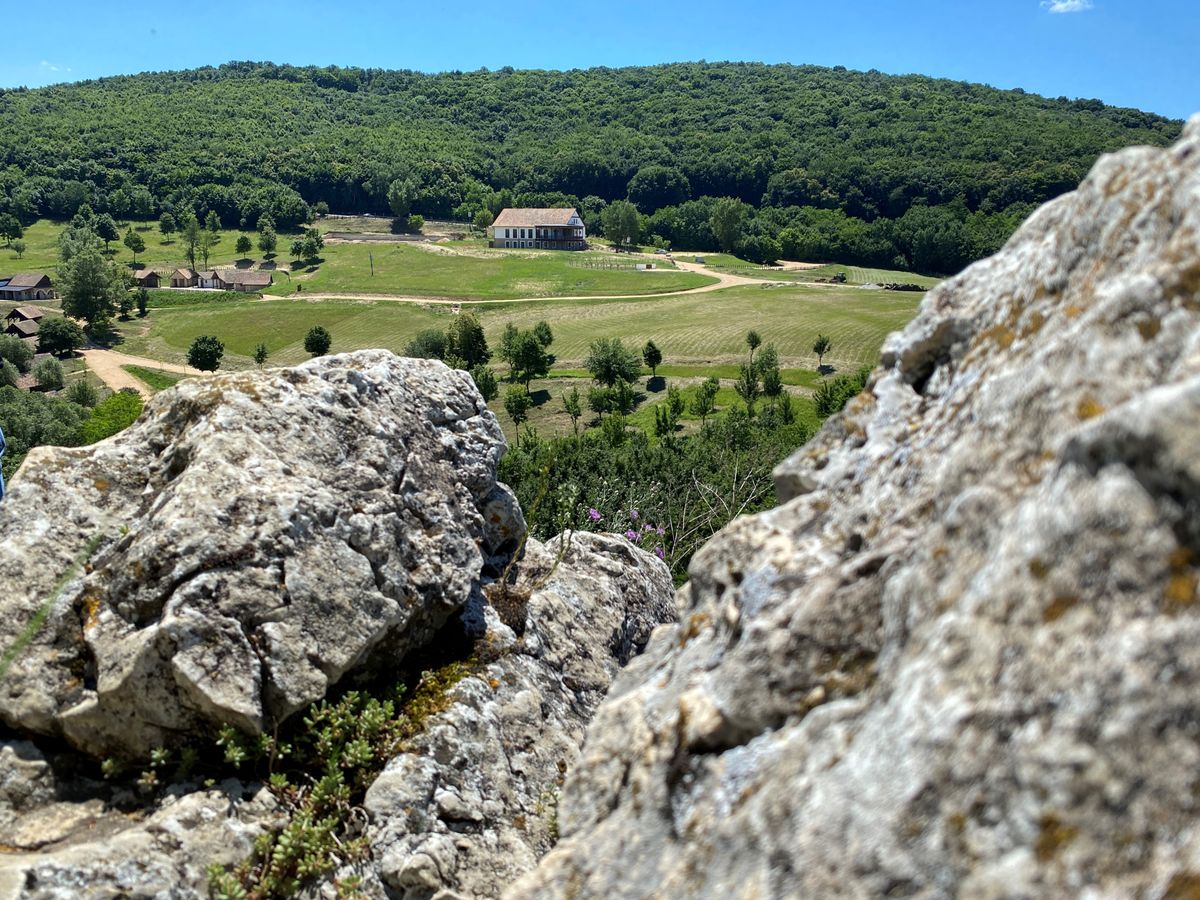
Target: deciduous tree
point(205, 353)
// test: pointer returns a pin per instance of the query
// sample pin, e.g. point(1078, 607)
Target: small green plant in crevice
point(320, 774)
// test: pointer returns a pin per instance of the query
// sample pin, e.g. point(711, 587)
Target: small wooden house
point(23, 314)
point(247, 281)
point(211, 279)
point(22, 328)
point(184, 278)
point(146, 278)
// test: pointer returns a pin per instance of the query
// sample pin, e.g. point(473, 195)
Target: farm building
point(22, 328)
point(184, 278)
point(211, 279)
point(23, 314)
point(541, 229)
point(27, 286)
point(238, 280)
point(147, 278)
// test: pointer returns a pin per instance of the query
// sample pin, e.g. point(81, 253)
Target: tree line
point(818, 156)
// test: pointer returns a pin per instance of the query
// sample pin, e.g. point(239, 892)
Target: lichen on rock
point(264, 536)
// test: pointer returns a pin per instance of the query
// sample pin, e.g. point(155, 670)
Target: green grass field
point(855, 275)
point(465, 269)
point(698, 331)
point(468, 270)
point(157, 379)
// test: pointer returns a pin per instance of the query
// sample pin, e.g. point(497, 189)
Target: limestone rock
point(962, 658)
point(66, 850)
point(473, 804)
point(258, 537)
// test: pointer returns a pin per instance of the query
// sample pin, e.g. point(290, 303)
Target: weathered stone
point(86, 850)
point(963, 657)
point(261, 536)
point(472, 804)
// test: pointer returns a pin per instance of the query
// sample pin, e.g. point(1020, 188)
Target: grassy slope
point(464, 269)
point(469, 271)
point(699, 330)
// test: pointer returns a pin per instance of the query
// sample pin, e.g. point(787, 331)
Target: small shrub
point(111, 415)
point(83, 393)
point(49, 375)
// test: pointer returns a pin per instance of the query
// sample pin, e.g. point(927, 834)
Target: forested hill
point(245, 137)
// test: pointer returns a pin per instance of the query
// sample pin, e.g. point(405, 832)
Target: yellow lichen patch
point(1053, 836)
point(1180, 590)
point(1073, 311)
point(1058, 607)
point(696, 623)
point(1088, 408)
point(91, 611)
point(1000, 335)
point(101, 484)
point(1183, 886)
point(1033, 324)
point(1149, 328)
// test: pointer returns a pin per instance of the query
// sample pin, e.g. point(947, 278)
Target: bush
point(485, 381)
point(83, 393)
point(49, 375)
point(16, 351)
point(34, 420)
point(832, 396)
point(112, 414)
point(8, 374)
point(430, 343)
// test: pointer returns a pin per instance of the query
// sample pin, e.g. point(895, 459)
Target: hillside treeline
point(860, 167)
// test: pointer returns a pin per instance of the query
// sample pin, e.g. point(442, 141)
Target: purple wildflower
point(631, 534)
point(660, 531)
point(594, 515)
point(647, 527)
point(658, 551)
point(633, 514)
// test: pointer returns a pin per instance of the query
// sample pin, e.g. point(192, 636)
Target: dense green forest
point(860, 167)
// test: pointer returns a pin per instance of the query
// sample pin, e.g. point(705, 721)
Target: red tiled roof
point(527, 218)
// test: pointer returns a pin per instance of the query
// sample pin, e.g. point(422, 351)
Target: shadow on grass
point(657, 384)
point(540, 398)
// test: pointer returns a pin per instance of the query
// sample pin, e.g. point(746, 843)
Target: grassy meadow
point(460, 269)
point(700, 335)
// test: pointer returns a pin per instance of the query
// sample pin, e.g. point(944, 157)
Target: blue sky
point(1142, 53)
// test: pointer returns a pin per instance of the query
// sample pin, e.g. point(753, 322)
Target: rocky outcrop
point(252, 540)
point(473, 804)
point(468, 807)
point(962, 657)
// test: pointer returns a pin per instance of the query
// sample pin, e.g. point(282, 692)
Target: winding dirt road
point(106, 364)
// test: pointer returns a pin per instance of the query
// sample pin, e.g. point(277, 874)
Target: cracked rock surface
point(473, 803)
point(261, 536)
point(962, 657)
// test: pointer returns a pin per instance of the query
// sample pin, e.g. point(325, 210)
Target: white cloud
point(49, 67)
point(1067, 6)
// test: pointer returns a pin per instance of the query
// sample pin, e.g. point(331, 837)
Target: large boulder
point(962, 657)
point(467, 807)
point(252, 540)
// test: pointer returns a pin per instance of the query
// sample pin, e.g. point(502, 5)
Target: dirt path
point(106, 364)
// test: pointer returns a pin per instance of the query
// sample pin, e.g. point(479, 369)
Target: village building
point(146, 278)
point(538, 229)
point(22, 328)
point(211, 279)
point(23, 314)
point(184, 278)
point(27, 286)
point(247, 281)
